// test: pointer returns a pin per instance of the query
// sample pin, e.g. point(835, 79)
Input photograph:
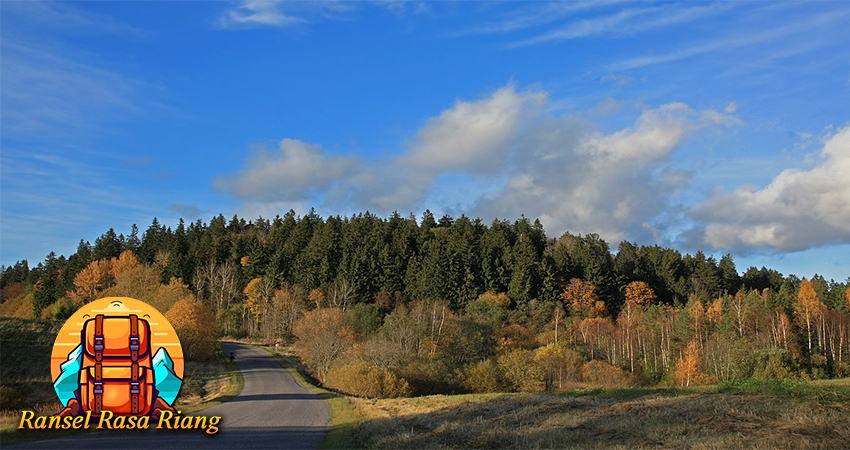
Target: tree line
point(449, 305)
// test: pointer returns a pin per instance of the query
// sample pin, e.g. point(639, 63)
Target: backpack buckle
point(98, 344)
point(98, 387)
point(134, 387)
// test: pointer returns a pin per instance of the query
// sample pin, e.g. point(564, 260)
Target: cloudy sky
point(721, 126)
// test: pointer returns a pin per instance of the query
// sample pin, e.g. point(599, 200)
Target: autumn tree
point(217, 283)
point(289, 306)
point(124, 263)
point(90, 283)
point(167, 295)
point(557, 364)
point(195, 327)
point(638, 296)
point(317, 297)
point(323, 335)
point(689, 366)
point(581, 300)
point(807, 308)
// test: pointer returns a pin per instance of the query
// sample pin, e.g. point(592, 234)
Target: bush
point(774, 364)
point(483, 377)
point(428, 376)
point(521, 371)
point(357, 378)
point(600, 373)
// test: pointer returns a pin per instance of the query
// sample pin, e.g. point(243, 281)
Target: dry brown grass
point(659, 420)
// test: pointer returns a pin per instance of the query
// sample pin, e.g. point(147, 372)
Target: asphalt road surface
point(272, 411)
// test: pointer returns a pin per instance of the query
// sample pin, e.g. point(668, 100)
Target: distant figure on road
point(231, 357)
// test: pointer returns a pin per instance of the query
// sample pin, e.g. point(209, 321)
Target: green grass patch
point(345, 417)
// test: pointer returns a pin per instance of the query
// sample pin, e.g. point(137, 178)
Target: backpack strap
point(134, 357)
point(98, 338)
point(98, 365)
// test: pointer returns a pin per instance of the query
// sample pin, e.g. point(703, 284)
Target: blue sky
point(721, 126)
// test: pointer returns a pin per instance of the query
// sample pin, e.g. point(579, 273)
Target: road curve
point(272, 412)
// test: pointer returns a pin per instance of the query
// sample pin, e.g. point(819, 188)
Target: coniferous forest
point(398, 306)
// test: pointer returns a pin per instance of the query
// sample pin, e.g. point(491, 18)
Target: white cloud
point(258, 13)
point(734, 42)
point(576, 178)
point(586, 27)
point(474, 136)
point(500, 156)
point(627, 22)
point(799, 209)
point(294, 172)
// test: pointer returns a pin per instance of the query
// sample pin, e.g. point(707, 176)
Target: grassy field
point(748, 414)
point(738, 415)
point(25, 381)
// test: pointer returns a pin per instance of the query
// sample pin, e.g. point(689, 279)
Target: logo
point(117, 362)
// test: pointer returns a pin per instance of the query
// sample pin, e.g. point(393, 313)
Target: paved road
point(272, 411)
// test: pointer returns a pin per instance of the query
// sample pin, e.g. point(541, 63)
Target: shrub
point(483, 377)
point(774, 364)
point(428, 376)
point(521, 371)
point(357, 378)
point(601, 373)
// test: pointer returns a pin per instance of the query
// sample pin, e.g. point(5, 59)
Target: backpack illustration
point(118, 361)
point(116, 370)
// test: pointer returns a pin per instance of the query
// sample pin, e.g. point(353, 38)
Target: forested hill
point(371, 258)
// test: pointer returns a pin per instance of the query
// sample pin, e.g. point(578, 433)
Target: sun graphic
point(162, 334)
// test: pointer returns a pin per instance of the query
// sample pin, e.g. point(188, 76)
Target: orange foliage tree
point(195, 326)
point(581, 300)
point(689, 366)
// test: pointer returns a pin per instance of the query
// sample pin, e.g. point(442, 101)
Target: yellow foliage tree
point(807, 308)
point(195, 326)
point(689, 366)
point(126, 261)
point(167, 295)
point(90, 283)
point(557, 364)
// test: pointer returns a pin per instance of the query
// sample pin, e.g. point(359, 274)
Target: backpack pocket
point(119, 390)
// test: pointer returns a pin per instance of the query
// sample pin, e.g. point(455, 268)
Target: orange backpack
point(116, 371)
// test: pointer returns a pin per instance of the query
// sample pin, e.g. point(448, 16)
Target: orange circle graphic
point(162, 333)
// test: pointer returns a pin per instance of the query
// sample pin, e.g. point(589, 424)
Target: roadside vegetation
point(406, 308)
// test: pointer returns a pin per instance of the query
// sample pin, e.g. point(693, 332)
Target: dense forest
point(451, 305)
